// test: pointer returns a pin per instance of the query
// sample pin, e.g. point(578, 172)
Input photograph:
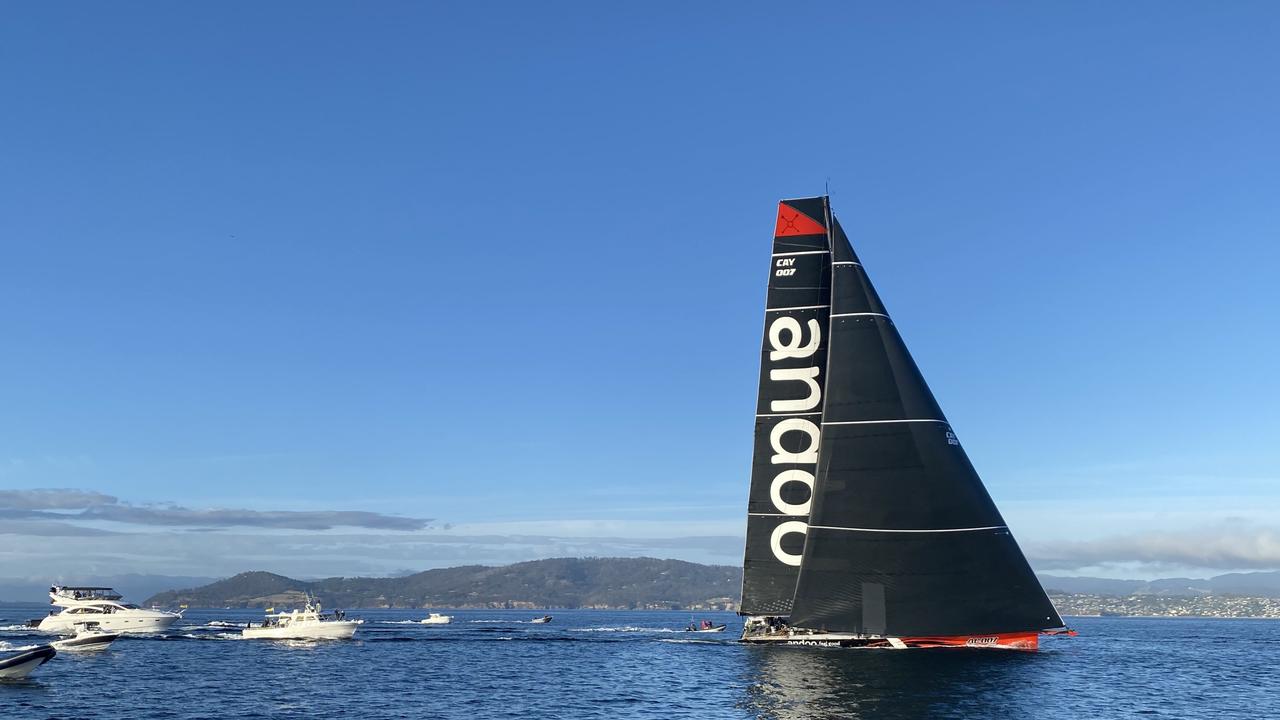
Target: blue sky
point(499, 267)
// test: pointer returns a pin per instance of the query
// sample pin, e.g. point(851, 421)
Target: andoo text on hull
point(867, 526)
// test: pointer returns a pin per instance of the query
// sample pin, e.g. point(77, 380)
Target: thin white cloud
point(1231, 545)
point(71, 506)
point(52, 499)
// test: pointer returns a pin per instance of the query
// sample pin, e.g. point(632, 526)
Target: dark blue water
point(593, 664)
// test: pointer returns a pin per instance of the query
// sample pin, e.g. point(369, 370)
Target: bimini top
point(82, 593)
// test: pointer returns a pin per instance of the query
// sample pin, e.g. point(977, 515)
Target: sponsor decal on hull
point(1008, 641)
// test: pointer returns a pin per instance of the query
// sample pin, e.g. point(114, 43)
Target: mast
point(903, 539)
point(793, 359)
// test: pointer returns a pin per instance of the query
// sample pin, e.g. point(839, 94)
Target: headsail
point(789, 408)
point(903, 538)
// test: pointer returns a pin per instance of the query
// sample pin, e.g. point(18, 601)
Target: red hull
point(1025, 641)
point(1004, 641)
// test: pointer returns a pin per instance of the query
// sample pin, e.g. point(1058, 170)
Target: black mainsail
point(902, 539)
point(793, 360)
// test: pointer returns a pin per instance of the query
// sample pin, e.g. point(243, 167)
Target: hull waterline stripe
point(927, 530)
point(880, 422)
point(801, 252)
point(836, 315)
point(797, 307)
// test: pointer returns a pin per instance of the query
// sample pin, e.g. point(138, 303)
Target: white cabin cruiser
point(20, 664)
point(103, 606)
point(306, 624)
point(436, 619)
point(89, 636)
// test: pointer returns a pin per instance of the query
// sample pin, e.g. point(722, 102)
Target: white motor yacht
point(436, 619)
point(306, 624)
point(103, 606)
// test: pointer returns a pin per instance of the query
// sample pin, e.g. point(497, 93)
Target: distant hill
point(1255, 584)
point(554, 583)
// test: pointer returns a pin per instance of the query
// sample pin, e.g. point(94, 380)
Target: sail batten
point(883, 422)
point(911, 530)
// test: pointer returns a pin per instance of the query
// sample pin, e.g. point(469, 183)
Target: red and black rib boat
point(867, 526)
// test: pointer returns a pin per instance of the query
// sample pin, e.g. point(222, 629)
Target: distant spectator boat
point(436, 619)
point(306, 624)
point(89, 636)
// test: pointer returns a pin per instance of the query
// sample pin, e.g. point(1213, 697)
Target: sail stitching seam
point(797, 307)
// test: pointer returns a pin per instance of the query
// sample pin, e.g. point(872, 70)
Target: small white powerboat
point(706, 628)
point(89, 636)
point(306, 624)
point(542, 620)
point(436, 619)
point(20, 664)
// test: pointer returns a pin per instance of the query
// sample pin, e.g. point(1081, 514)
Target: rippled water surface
point(594, 664)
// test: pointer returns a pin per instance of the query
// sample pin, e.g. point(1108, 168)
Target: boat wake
point(6, 647)
point(625, 629)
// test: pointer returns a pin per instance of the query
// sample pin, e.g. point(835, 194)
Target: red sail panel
point(793, 222)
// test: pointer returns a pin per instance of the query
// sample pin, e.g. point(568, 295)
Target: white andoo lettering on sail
point(787, 342)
